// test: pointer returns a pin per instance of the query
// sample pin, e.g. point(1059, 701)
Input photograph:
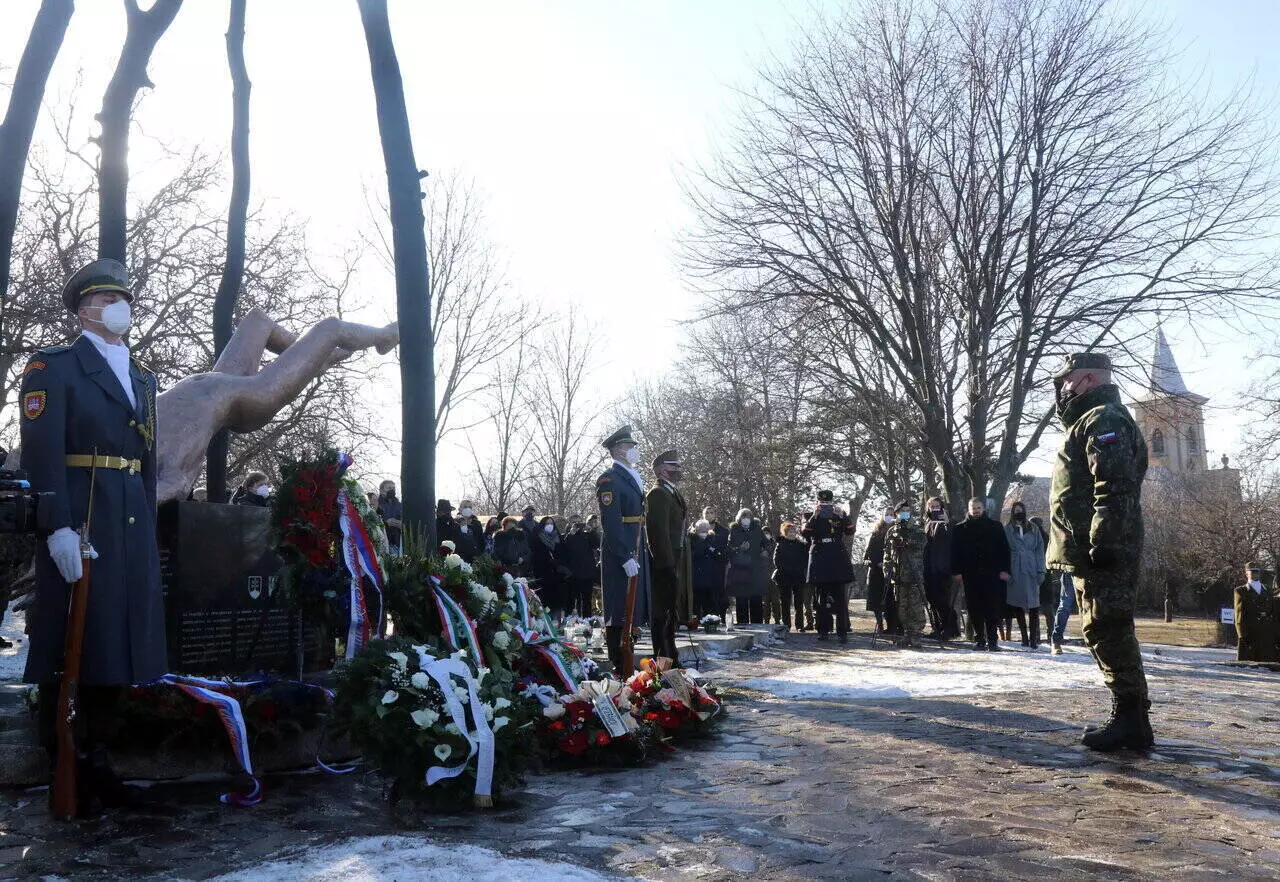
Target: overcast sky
point(575, 117)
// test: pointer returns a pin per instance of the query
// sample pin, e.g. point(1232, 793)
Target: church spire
point(1166, 379)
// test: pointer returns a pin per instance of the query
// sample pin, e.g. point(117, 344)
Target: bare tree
point(143, 32)
point(224, 302)
point(505, 473)
point(43, 44)
point(967, 189)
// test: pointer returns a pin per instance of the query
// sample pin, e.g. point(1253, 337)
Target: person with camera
point(830, 567)
point(88, 430)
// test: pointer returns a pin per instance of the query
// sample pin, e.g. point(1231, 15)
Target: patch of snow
point(379, 858)
point(922, 674)
point(14, 659)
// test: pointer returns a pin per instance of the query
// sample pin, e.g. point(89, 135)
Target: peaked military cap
point(622, 436)
point(104, 274)
point(826, 496)
point(666, 457)
point(1083, 361)
point(1253, 567)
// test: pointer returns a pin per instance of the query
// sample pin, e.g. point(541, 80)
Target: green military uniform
point(1095, 529)
point(904, 567)
point(1257, 624)
point(666, 530)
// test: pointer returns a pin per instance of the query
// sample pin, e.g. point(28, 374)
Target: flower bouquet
point(710, 624)
point(672, 699)
point(596, 724)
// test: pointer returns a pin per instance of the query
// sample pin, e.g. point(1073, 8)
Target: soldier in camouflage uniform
point(1095, 533)
point(904, 568)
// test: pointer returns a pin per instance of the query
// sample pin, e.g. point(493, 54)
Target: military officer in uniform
point(88, 409)
point(1095, 533)
point(830, 567)
point(666, 529)
point(620, 494)
point(904, 568)
point(1257, 609)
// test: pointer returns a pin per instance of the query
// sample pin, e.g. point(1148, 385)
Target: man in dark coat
point(391, 510)
point(980, 557)
point(718, 535)
point(938, 580)
point(578, 552)
point(666, 529)
point(1096, 532)
point(874, 559)
point(830, 568)
point(623, 556)
point(529, 523)
point(1257, 610)
point(89, 414)
point(470, 531)
point(446, 526)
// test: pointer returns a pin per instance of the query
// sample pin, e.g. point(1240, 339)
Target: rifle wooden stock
point(64, 782)
point(626, 651)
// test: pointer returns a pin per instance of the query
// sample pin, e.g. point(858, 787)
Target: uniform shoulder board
point(604, 479)
point(55, 350)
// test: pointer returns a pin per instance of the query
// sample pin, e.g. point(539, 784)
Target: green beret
point(622, 436)
point(1083, 361)
point(103, 274)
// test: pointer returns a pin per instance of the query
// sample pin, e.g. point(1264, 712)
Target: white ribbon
point(481, 742)
point(545, 694)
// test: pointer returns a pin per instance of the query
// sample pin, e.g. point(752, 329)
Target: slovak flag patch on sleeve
point(1108, 438)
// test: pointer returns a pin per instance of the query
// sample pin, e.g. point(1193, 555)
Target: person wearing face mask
point(549, 570)
point(939, 584)
point(790, 572)
point(980, 559)
point(578, 553)
point(1095, 533)
point(1257, 619)
point(708, 571)
point(446, 526)
point(391, 510)
point(830, 568)
point(877, 589)
point(1026, 572)
point(470, 532)
point(666, 520)
point(746, 576)
point(719, 537)
point(88, 413)
point(904, 568)
point(623, 555)
point(253, 490)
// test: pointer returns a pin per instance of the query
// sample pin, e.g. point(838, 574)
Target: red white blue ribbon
point(361, 558)
point(229, 711)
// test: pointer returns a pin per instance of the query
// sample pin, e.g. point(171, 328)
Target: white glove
point(64, 548)
point(630, 567)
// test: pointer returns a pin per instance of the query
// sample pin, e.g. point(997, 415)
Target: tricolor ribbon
point(459, 630)
point(553, 651)
point(229, 711)
point(480, 739)
point(361, 558)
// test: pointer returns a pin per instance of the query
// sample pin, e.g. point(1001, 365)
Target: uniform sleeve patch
point(33, 404)
point(1108, 437)
point(606, 498)
point(33, 366)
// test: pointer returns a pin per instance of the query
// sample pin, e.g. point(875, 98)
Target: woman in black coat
point(708, 571)
point(578, 553)
point(254, 491)
point(547, 570)
point(980, 556)
point(511, 547)
point(790, 565)
point(874, 559)
point(746, 577)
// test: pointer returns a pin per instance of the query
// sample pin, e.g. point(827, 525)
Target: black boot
point(105, 783)
point(1126, 729)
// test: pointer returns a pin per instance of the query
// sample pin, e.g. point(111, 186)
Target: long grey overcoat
point(1026, 566)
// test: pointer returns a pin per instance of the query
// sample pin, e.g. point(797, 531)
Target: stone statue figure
point(242, 395)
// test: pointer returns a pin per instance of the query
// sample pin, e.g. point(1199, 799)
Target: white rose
point(453, 729)
point(420, 680)
point(501, 703)
point(425, 719)
point(509, 579)
point(400, 658)
point(462, 693)
point(499, 723)
point(501, 641)
point(453, 562)
point(481, 674)
point(443, 751)
point(488, 713)
point(553, 711)
point(389, 696)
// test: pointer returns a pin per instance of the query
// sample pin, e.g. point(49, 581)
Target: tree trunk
point(47, 31)
point(224, 304)
point(413, 288)
point(144, 30)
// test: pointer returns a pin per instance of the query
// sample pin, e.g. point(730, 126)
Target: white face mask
point(466, 512)
point(745, 522)
point(263, 491)
point(633, 455)
point(549, 528)
point(888, 519)
point(116, 317)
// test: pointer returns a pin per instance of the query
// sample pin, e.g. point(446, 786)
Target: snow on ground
point(897, 673)
point(14, 659)
point(379, 858)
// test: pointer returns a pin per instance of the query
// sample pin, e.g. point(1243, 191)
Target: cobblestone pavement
point(962, 787)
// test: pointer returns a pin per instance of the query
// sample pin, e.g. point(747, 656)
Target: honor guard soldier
point(89, 415)
point(666, 528)
point(620, 493)
point(1095, 533)
point(830, 567)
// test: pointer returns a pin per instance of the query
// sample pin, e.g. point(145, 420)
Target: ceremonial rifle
point(626, 651)
point(64, 781)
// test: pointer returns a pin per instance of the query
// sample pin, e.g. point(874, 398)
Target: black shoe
point(844, 638)
point(995, 647)
point(1128, 728)
point(106, 784)
point(822, 636)
point(979, 647)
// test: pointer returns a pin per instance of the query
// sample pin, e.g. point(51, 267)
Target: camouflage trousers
point(1106, 603)
point(912, 610)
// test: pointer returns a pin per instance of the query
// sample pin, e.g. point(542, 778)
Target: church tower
point(1171, 417)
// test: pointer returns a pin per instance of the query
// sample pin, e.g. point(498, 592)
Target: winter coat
point(708, 562)
point(937, 549)
point(391, 508)
point(470, 538)
point(1026, 566)
point(874, 558)
point(979, 554)
point(1257, 624)
point(578, 551)
point(244, 497)
point(447, 528)
point(511, 548)
point(790, 562)
point(748, 572)
point(547, 570)
point(829, 561)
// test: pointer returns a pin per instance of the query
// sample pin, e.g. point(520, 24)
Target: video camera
point(22, 511)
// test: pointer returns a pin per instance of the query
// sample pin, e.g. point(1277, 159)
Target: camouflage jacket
point(904, 553)
point(1095, 496)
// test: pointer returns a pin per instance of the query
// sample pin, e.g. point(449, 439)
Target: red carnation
point(557, 726)
point(574, 743)
point(602, 738)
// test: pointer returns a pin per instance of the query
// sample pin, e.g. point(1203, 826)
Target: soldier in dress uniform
point(1257, 609)
point(89, 408)
point(830, 567)
point(666, 529)
point(1095, 533)
point(904, 568)
point(620, 493)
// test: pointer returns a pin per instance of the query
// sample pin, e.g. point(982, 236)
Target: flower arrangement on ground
point(710, 624)
point(597, 725)
point(673, 700)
